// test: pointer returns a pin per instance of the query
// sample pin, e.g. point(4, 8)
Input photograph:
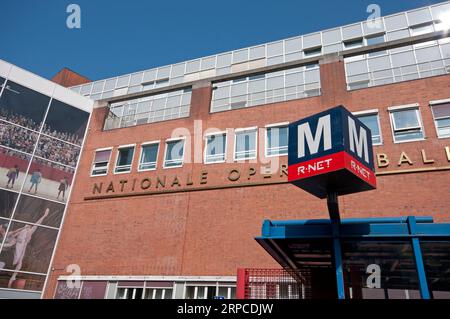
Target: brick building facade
point(201, 219)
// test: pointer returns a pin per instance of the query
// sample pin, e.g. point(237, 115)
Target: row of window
point(406, 122)
point(215, 150)
point(406, 126)
point(191, 292)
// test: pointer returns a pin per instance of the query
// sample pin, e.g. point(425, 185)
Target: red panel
point(317, 166)
point(360, 170)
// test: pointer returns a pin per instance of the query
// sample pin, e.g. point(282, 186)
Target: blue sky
point(118, 37)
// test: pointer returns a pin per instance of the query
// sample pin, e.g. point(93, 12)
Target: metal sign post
point(330, 154)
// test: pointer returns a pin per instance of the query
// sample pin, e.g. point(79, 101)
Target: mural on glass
point(40, 143)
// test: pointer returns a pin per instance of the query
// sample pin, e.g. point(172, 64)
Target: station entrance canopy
point(405, 257)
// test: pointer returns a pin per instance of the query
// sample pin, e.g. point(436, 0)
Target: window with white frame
point(441, 115)
point(312, 52)
point(174, 153)
point(149, 156)
point(210, 292)
point(101, 162)
point(372, 121)
point(215, 151)
point(158, 293)
point(406, 124)
point(245, 144)
point(277, 139)
point(129, 293)
point(124, 159)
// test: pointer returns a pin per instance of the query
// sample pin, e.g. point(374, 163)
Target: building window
point(245, 144)
point(406, 124)
point(101, 162)
point(174, 153)
point(441, 114)
point(210, 292)
point(312, 52)
point(129, 293)
point(277, 140)
point(372, 121)
point(215, 148)
point(149, 156)
point(373, 40)
point(124, 159)
point(353, 44)
point(158, 293)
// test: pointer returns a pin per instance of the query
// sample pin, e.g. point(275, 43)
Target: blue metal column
point(423, 285)
point(338, 259)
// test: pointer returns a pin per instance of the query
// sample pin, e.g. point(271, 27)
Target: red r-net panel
point(257, 283)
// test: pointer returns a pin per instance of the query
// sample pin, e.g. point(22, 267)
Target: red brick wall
point(212, 232)
point(68, 78)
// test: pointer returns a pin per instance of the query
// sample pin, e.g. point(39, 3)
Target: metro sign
point(331, 152)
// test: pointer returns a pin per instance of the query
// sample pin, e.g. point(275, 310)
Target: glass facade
point(266, 88)
point(405, 63)
point(392, 261)
point(40, 143)
point(377, 68)
point(149, 109)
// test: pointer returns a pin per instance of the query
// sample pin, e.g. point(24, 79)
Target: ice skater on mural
point(19, 239)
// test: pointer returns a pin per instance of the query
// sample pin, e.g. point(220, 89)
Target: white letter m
point(304, 132)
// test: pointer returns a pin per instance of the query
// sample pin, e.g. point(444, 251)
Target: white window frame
point(415, 107)
point(175, 139)
point(206, 147)
point(117, 159)
point(107, 165)
point(127, 290)
point(435, 103)
point(241, 130)
point(372, 112)
point(163, 295)
point(266, 144)
point(142, 153)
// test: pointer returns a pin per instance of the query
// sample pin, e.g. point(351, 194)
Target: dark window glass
point(2, 81)
point(174, 153)
point(379, 270)
point(66, 122)
point(13, 165)
point(149, 156)
point(101, 161)
point(31, 255)
point(215, 148)
point(277, 141)
point(124, 159)
point(23, 106)
point(436, 259)
point(57, 151)
point(371, 121)
point(16, 137)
